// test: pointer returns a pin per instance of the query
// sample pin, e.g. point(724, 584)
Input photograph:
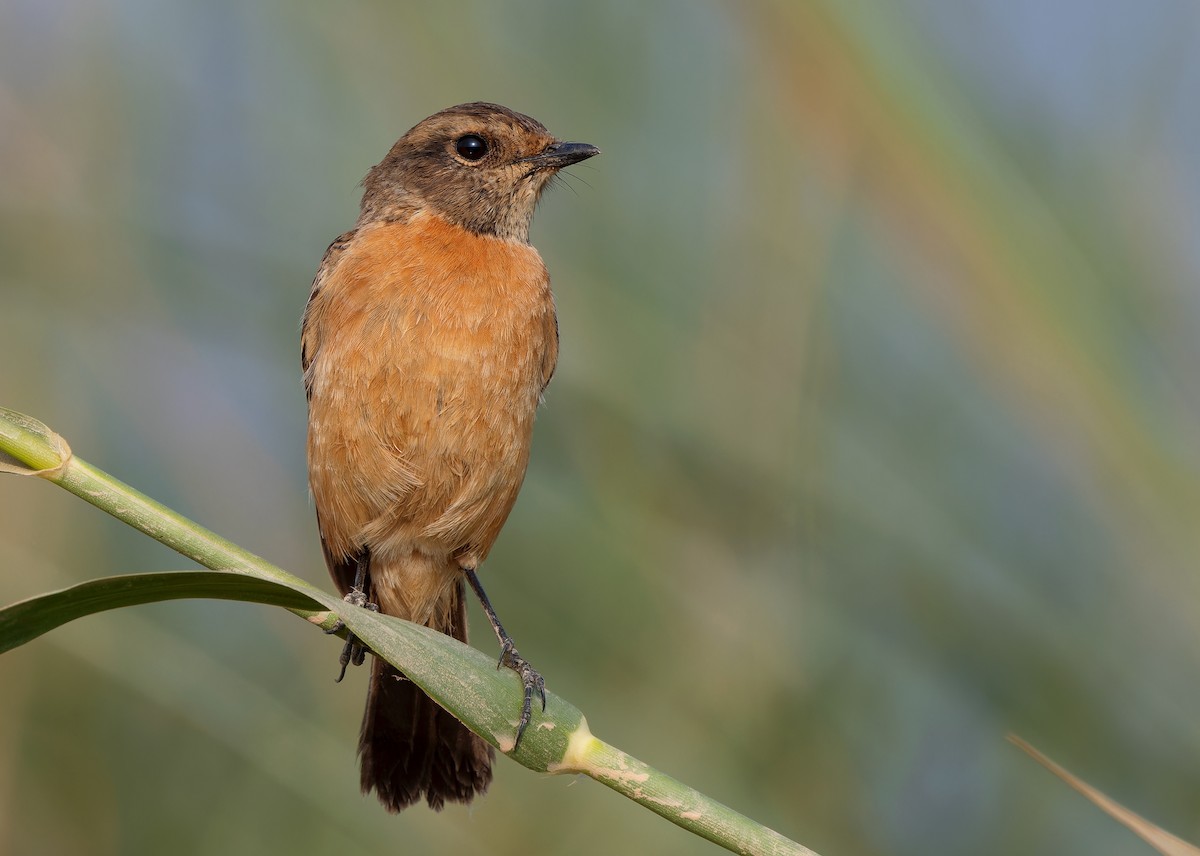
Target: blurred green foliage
point(874, 435)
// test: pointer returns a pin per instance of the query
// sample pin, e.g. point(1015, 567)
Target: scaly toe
point(531, 681)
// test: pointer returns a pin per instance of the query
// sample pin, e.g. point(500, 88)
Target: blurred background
point(874, 435)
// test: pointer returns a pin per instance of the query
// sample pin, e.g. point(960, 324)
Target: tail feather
point(410, 747)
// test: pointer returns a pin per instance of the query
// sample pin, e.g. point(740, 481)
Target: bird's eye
point(472, 147)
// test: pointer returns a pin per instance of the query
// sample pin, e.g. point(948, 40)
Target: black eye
point(472, 147)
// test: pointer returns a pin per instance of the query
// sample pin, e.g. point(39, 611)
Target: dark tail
point(411, 748)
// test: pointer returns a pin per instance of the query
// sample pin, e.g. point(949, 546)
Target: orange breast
point(430, 347)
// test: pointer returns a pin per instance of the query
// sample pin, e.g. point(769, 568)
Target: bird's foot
point(509, 657)
point(354, 651)
point(530, 678)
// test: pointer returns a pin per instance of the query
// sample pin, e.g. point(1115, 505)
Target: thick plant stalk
point(461, 679)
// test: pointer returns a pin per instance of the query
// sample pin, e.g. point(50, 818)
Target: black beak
point(563, 154)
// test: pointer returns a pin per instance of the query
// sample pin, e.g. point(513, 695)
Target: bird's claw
point(354, 651)
point(530, 679)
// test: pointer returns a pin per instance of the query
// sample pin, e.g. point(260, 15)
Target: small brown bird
point(428, 339)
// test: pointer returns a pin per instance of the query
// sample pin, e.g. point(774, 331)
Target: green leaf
point(457, 676)
point(467, 682)
point(464, 681)
point(27, 619)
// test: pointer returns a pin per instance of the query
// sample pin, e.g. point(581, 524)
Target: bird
point(428, 340)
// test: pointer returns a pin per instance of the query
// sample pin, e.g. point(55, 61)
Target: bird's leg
point(354, 651)
point(509, 657)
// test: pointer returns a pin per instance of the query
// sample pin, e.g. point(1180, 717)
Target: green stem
point(464, 681)
point(672, 799)
point(171, 528)
point(162, 524)
point(28, 447)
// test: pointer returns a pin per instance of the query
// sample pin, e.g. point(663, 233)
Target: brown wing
point(342, 571)
point(550, 360)
point(309, 343)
